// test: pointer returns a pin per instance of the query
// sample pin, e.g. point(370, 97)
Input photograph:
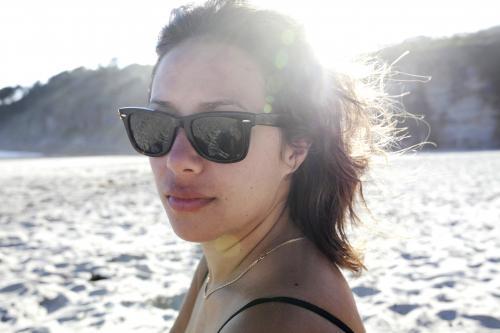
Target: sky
point(39, 39)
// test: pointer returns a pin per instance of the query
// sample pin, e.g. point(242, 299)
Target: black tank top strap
point(294, 301)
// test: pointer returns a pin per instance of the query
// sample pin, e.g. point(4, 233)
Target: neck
point(229, 255)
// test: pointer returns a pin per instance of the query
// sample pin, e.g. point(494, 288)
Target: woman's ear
point(296, 153)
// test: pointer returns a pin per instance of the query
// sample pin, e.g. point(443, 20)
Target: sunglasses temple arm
point(266, 119)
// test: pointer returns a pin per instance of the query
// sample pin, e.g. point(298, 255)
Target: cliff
point(462, 100)
point(75, 112)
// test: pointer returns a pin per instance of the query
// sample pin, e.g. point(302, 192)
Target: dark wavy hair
point(344, 126)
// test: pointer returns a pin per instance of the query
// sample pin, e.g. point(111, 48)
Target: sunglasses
point(220, 136)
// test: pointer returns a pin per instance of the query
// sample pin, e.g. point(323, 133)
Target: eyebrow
point(165, 105)
point(205, 106)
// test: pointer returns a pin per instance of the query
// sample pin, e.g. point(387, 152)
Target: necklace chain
point(262, 256)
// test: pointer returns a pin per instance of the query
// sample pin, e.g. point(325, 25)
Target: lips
point(184, 199)
point(188, 205)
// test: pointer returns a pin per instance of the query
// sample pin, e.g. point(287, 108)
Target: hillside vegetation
point(75, 112)
point(461, 102)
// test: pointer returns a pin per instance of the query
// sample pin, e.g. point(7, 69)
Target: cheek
point(157, 165)
point(265, 152)
point(259, 177)
point(244, 196)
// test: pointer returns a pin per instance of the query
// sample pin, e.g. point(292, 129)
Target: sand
point(85, 246)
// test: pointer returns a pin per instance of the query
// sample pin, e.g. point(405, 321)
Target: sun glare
point(340, 31)
point(64, 35)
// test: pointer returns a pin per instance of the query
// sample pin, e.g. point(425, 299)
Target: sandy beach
point(85, 246)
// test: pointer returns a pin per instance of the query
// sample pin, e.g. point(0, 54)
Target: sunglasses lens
point(152, 131)
point(220, 139)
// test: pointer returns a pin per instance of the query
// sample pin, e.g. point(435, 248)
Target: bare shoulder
point(338, 299)
point(279, 317)
point(323, 284)
point(330, 291)
point(311, 278)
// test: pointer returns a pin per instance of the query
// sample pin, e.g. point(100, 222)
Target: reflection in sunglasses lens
point(152, 131)
point(219, 138)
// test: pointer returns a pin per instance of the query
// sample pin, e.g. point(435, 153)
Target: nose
point(182, 158)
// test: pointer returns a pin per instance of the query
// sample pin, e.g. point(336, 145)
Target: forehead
point(196, 73)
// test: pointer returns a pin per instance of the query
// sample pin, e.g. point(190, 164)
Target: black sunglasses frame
point(247, 119)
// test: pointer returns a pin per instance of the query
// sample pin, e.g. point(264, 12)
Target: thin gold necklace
point(208, 293)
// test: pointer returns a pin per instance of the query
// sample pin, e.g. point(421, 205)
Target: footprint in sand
point(485, 321)
point(403, 309)
point(363, 291)
point(447, 314)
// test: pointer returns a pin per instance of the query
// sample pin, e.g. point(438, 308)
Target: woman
point(257, 153)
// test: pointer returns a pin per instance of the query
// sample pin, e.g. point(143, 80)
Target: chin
point(191, 232)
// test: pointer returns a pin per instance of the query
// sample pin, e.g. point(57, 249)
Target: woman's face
point(205, 200)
